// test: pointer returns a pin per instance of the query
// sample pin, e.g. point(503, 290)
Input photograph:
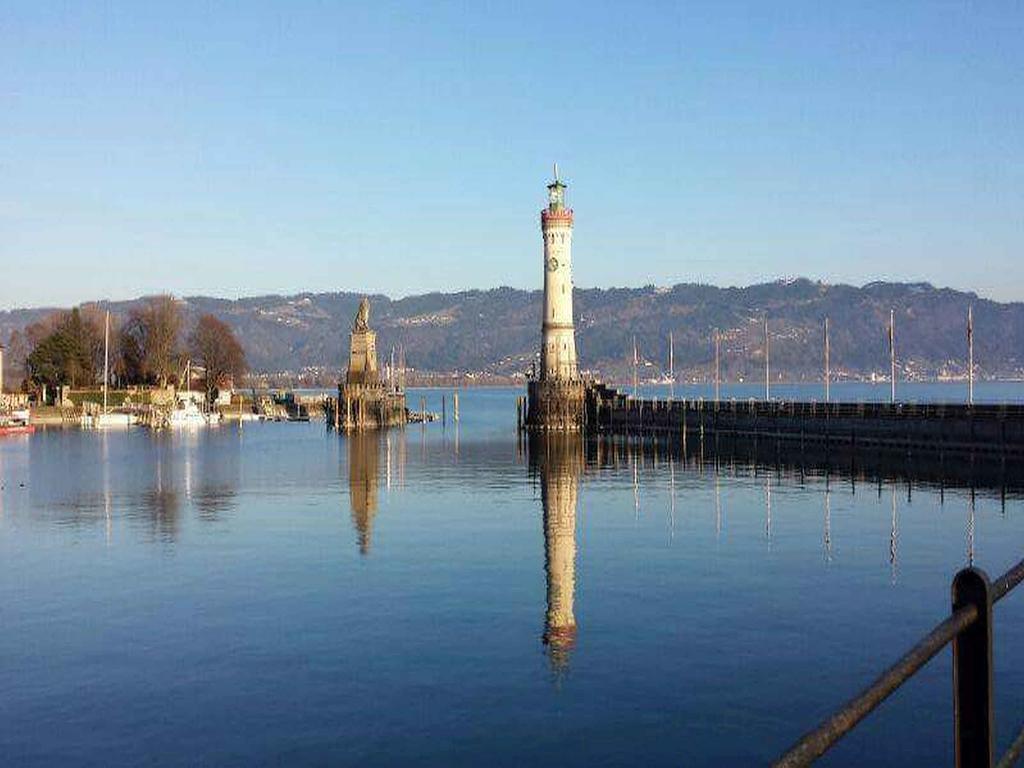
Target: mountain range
point(496, 332)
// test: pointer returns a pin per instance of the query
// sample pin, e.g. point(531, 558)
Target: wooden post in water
point(892, 356)
point(970, 355)
point(828, 375)
point(444, 409)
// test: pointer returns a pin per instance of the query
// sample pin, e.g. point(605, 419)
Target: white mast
point(671, 368)
point(767, 366)
point(892, 356)
point(636, 362)
point(970, 355)
point(828, 374)
point(718, 364)
point(106, 358)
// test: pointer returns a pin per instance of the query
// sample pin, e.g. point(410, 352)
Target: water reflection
point(364, 449)
point(216, 478)
point(793, 461)
point(558, 460)
point(161, 501)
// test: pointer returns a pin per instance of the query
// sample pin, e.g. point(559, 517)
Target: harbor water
point(451, 594)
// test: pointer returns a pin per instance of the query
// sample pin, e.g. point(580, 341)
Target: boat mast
point(671, 368)
point(106, 358)
point(635, 362)
point(828, 373)
point(892, 356)
point(970, 355)
point(718, 369)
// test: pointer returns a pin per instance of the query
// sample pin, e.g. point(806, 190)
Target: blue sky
point(404, 147)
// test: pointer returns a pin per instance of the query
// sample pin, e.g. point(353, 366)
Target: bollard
point(972, 673)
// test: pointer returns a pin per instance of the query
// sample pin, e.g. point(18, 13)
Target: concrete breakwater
point(932, 427)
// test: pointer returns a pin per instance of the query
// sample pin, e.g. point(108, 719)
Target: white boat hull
point(188, 416)
point(109, 420)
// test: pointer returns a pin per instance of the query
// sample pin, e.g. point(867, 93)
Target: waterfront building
point(365, 399)
point(555, 395)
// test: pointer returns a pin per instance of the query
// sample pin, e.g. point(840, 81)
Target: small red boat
point(16, 429)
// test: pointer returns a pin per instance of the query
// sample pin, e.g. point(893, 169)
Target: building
point(365, 399)
point(555, 395)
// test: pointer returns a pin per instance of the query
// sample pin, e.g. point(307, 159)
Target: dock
point(994, 429)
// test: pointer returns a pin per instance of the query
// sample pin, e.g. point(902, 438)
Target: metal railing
point(969, 629)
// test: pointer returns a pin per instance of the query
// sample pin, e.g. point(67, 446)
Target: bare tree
point(161, 350)
point(14, 358)
point(214, 346)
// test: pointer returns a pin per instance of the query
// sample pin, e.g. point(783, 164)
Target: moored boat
point(105, 418)
point(16, 423)
point(16, 429)
point(187, 414)
point(108, 420)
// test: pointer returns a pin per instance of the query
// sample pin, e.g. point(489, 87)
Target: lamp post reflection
point(558, 459)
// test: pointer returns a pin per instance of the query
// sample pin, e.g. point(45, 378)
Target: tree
point(214, 346)
point(85, 345)
point(132, 343)
point(47, 363)
point(162, 352)
point(15, 357)
point(148, 343)
point(68, 353)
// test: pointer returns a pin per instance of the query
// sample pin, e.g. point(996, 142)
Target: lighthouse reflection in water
point(557, 458)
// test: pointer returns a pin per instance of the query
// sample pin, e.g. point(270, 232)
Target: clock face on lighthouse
point(552, 264)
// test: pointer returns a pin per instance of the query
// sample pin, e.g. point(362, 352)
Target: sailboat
point(186, 413)
point(106, 418)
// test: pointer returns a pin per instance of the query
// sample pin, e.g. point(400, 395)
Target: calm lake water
point(282, 595)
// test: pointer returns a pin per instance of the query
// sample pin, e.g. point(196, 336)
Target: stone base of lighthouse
point(555, 404)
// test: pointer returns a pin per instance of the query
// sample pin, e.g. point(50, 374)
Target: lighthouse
point(558, 336)
point(555, 396)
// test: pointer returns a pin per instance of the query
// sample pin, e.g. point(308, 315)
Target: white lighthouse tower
point(558, 345)
point(555, 396)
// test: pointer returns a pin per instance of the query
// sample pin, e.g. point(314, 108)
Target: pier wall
point(555, 404)
point(996, 428)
